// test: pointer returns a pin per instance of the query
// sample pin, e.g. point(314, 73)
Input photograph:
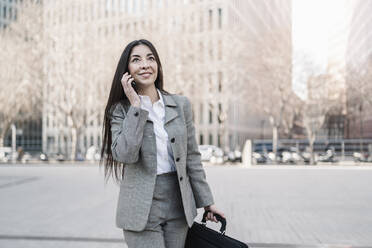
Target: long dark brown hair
point(117, 96)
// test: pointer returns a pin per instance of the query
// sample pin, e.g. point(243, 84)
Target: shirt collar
point(161, 101)
point(145, 100)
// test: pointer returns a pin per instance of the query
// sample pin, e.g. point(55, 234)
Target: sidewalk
point(70, 206)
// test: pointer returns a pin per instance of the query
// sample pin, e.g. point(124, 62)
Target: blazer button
point(181, 178)
point(136, 114)
point(177, 159)
point(173, 140)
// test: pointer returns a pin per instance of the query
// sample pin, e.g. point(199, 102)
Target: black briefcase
point(200, 236)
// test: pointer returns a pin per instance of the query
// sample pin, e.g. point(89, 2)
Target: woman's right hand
point(126, 82)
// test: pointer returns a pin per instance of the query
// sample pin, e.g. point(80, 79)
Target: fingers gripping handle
point(219, 218)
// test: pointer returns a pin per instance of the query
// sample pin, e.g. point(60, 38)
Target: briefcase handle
point(218, 217)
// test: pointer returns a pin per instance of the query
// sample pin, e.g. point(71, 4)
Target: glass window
point(142, 6)
point(210, 19)
point(135, 6)
point(159, 3)
point(113, 7)
point(126, 6)
point(219, 18)
point(219, 81)
point(99, 141)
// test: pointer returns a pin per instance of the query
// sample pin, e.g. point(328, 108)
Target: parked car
point(361, 157)
point(284, 155)
point(259, 158)
point(294, 156)
point(60, 157)
point(206, 152)
point(306, 155)
point(5, 154)
point(211, 154)
point(92, 154)
point(328, 156)
point(217, 156)
point(287, 158)
point(234, 156)
point(43, 157)
point(26, 157)
point(270, 156)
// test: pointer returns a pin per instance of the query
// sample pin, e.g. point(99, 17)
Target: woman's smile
point(145, 74)
point(142, 65)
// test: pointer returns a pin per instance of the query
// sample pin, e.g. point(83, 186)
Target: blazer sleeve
point(127, 133)
point(202, 192)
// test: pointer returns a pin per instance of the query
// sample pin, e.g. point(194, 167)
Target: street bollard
point(247, 153)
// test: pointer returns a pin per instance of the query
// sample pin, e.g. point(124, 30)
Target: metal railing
point(342, 148)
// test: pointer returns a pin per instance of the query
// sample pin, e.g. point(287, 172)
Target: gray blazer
point(133, 143)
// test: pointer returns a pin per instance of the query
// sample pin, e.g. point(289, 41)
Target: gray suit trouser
point(166, 226)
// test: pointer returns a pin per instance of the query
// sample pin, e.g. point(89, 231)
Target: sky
point(319, 36)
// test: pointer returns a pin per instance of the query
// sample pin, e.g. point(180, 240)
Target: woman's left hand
point(213, 209)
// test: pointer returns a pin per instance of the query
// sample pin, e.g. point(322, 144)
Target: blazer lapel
point(170, 108)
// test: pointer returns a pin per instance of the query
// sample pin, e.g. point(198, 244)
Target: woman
point(150, 132)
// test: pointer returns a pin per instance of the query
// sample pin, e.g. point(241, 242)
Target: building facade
point(8, 11)
point(358, 123)
point(199, 42)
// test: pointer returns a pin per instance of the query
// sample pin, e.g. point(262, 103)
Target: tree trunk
point(222, 140)
point(275, 141)
point(2, 137)
point(221, 133)
point(3, 133)
point(311, 143)
point(361, 129)
point(73, 143)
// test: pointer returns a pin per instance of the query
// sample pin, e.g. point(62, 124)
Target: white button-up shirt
point(165, 161)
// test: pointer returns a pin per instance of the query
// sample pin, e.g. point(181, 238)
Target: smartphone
point(134, 86)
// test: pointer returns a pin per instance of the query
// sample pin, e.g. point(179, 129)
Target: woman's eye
point(135, 60)
point(152, 58)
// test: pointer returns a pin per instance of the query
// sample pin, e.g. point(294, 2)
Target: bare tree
point(272, 67)
point(77, 82)
point(291, 121)
point(22, 74)
point(323, 99)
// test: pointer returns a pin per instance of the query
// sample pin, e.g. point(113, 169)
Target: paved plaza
point(70, 206)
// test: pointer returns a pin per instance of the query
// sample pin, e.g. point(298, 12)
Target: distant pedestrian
point(20, 153)
point(149, 145)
